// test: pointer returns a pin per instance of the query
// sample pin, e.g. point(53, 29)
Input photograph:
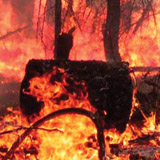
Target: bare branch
point(150, 3)
point(143, 16)
point(14, 32)
point(38, 20)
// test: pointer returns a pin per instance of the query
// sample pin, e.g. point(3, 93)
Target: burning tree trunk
point(111, 31)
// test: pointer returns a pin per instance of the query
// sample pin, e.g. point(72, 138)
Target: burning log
point(108, 85)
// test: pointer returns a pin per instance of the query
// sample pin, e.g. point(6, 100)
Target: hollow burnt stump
point(109, 87)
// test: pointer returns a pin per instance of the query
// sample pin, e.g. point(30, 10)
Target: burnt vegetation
point(109, 85)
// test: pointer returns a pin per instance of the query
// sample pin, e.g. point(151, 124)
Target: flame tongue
point(65, 137)
point(71, 136)
point(57, 90)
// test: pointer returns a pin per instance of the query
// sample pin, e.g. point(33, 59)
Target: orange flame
point(17, 48)
point(70, 136)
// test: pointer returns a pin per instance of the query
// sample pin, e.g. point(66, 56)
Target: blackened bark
point(111, 31)
point(105, 93)
point(64, 45)
point(58, 9)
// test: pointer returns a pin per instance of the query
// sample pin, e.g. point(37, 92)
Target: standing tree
point(58, 10)
point(119, 20)
point(111, 31)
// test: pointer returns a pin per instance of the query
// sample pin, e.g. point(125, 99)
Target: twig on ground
point(36, 128)
point(96, 120)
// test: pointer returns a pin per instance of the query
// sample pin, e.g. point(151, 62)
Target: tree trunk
point(111, 31)
point(58, 9)
point(70, 4)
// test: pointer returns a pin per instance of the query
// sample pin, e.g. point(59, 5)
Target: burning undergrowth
point(64, 126)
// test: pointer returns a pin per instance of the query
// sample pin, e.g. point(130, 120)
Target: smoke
point(23, 11)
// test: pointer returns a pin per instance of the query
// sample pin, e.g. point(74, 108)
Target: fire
point(65, 137)
point(71, 141)
point(17, 43)
point(59, 95)
point(70, 136)
point(20, 46)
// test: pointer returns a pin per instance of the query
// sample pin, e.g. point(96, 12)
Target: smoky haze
point(22, 14)
point(9, 94)
point(23, 10)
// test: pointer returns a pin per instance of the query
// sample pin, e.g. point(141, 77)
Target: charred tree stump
point(64, 45)
point(109, 87)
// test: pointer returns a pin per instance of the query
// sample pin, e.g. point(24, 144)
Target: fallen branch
point(145, 138)
point(96, 118)
point(145, 69)
point(22, 128)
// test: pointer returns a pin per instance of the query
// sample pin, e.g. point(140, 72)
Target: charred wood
point(145, 139)
point(109, 87)
point(64, 44)
point(24, 128)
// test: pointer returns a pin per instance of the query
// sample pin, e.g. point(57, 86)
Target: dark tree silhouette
point(64, 41)
point(116, 11)
point(111, 31)
point(64, 45)
point(58, 10)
